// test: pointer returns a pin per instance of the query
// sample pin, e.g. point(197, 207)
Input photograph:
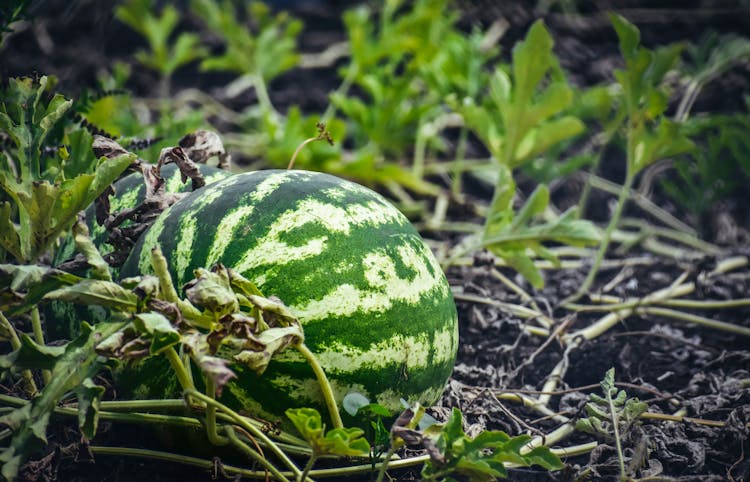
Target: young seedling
point(650, 136)
point(343, 442)
point(163, 57)
point(524, 116)
point(258, 55)
point(612, 415)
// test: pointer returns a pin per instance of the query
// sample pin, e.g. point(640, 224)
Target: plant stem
point(211, 432)
point(36, 326)
point(255, 474)
point(420, 149)
point(708, 304)
point(680, 418)
point(386, 461)
point(263, 98)
point(616, 430)
point(325, 386)
point(256, 432)
point(644, 203)
point(523, 294)
point(254, 454)
point(308, 467)
point(624, 193)
point(680, 236)
point(182, 376)
point(560, 433)
point(342, 89)
point(608, 321)
point(516, 310)
point(150, 405)
point(159, 263)
point(15, 344)
point(170, 457)
point(698, 320)
point(297, 151)
point(458, 166)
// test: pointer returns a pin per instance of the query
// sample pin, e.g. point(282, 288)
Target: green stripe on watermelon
point(373, 301)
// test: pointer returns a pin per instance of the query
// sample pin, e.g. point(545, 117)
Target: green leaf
point(89, 396)
point(81, 158)
point(77, 363)
point(481, 458)
point(159, 329)
point(345, 442)
point(628, 34)
point(540, 139)
point(532, 58)
point(23, 286)
point(266, 52)
point(534, 206)
point(521, 263)
point(31, 356)
point(57, 107)
point(512, 235)
point(99, 268)
point(614, 407)
point(97, 292)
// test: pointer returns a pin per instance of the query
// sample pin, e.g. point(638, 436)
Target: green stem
point(680, 236)
point(297, 151)
point(698, 320)
point(325, 386)
point(159, 263)
point(616, 430)
point(343, 88)
point(120, 452)
point(352, 470)
point(211, 432)
point(386, 462)
point(36, 326)
point(254, 431)
point(149, 405)
point(254, 454)
point(290, 443)
point(643, 202)
point(611, 319)
point(15, 344)
point(458, 166)
point(182, 375)
point(137, 417)
point(262, 92)
point(308, 467)
point(624, 193)
point(708, 304)
point(420, 150)
point(520, 292)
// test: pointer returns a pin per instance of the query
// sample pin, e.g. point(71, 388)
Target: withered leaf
point(201, 145)
point(267, 344)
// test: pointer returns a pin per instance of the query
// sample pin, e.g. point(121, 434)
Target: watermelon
point(63, 319)
point(374, 303)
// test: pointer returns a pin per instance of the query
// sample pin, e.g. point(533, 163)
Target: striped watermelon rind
point(374, 303)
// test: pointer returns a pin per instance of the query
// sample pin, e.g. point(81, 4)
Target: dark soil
point(673, 365)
